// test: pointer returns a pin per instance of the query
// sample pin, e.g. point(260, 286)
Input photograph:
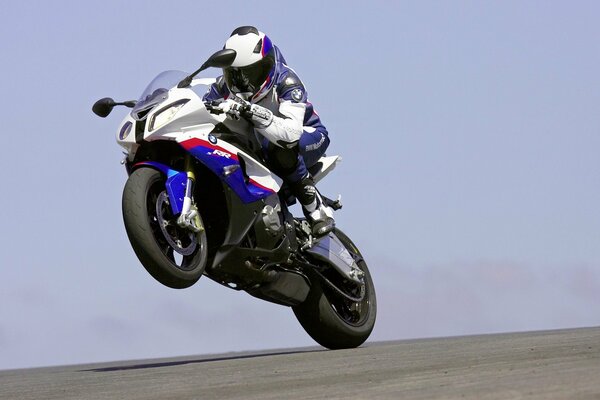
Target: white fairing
point(260, 174)
point(192, 121)
point(254, 169)
point(192, 114)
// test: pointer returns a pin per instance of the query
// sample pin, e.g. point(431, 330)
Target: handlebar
point(212, 108)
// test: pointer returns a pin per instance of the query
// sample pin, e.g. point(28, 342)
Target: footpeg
point(335, 204)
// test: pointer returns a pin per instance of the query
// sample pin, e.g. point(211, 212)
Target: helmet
point(251, 73)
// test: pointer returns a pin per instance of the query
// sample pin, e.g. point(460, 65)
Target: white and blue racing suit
point(296, 139)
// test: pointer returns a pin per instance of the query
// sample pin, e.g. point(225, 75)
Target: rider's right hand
point(234, 108)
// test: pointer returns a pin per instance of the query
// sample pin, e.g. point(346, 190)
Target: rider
point(260, 87)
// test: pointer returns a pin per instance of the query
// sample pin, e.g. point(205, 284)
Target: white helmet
point(251, 73)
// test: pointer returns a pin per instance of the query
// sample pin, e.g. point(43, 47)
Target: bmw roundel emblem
point(297, 95)
point(212, 139)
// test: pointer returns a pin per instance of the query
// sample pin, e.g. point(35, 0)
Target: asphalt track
point(563, 364)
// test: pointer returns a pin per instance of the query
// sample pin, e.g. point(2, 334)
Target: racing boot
point(317, 214)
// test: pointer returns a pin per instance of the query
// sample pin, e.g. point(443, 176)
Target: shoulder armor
point(291, 88)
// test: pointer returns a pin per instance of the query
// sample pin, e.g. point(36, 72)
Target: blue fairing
point(175, 184)
point(216, 159)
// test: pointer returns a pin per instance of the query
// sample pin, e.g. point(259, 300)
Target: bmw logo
point(297, 94)
point(212, 139)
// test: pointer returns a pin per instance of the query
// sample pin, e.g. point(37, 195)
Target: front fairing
point(192, 126)
point(141, 123)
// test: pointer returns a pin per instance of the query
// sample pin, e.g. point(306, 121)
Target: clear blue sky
point(471, 173)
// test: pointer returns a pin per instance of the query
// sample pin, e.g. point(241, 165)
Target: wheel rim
point(181, 240)
point(352, 313)
point(181, 246)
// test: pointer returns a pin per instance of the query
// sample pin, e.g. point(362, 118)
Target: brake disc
point(171, 231)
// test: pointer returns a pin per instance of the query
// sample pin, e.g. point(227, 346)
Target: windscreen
point(158, 88)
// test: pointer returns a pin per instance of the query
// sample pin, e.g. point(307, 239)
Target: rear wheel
point(174, 256)
point(335, 320)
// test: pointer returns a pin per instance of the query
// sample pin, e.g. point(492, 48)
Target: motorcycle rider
point(260, 87)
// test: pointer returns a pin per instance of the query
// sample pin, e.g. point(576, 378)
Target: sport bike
point(200, 200)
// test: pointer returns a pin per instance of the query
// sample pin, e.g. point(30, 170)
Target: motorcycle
point(201, 200)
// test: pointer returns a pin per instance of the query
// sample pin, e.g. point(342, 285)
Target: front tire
point(332, 320)
point(174, 256)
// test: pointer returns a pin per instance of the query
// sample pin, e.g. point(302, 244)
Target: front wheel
point(174, 256)
point(332, 319)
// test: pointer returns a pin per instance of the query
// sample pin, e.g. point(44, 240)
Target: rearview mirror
point(103, 107)
point(221, 59)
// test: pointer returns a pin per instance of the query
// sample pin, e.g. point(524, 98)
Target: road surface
point(563, 364)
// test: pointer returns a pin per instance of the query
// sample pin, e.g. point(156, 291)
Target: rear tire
point(332, 320)
point(174, 256)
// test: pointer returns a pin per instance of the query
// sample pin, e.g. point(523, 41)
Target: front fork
point(190, 217)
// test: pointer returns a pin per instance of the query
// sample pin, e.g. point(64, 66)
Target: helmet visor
point(250, 78)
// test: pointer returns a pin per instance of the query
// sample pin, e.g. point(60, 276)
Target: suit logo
point(297, 94)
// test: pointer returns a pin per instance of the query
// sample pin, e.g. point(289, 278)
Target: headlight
point(165, 115)
point(125, 129)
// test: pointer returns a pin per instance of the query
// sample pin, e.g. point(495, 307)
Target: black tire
point(144, 212)
point(328, 317)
